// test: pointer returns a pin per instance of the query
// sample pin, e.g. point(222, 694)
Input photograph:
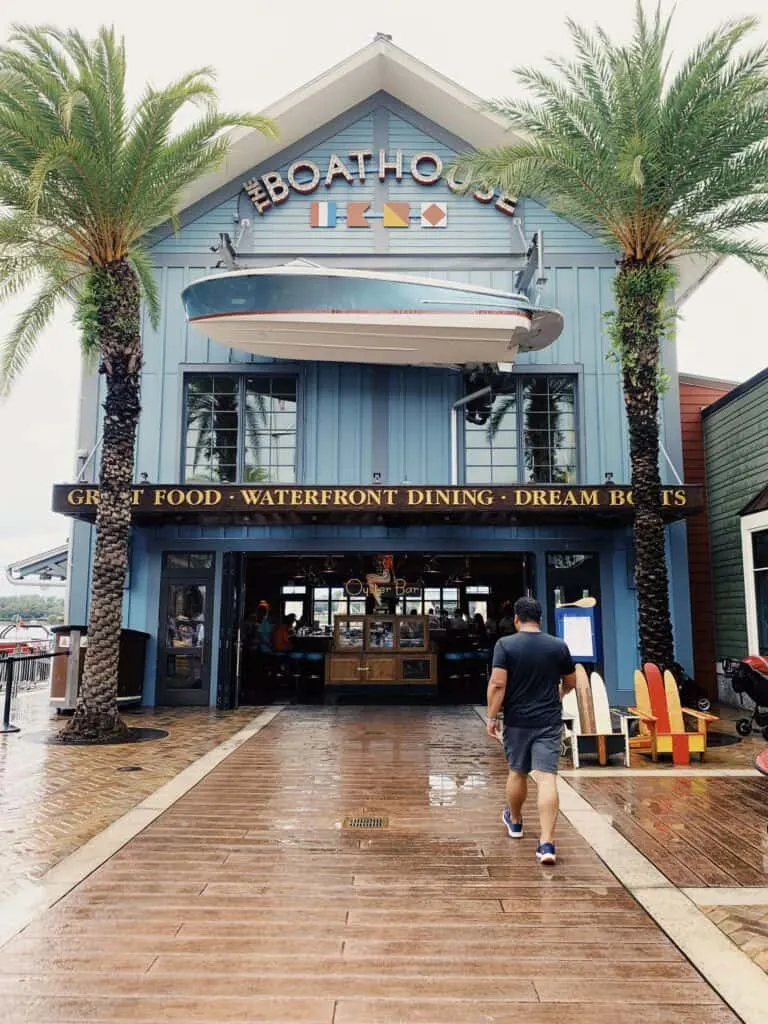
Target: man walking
point(531, 672)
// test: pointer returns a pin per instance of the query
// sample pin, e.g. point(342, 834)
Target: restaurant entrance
point(281, 616)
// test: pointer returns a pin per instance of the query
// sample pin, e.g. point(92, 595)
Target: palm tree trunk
point(116, 309)
point(641, 291)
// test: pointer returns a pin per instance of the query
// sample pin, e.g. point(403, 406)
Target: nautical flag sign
point(357, 215)
point(434, 215)
point(396, 215)
point(322, 215)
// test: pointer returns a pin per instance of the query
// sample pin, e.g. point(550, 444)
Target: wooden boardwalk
point(698, 831)
point(248, 900)
point(54, 799)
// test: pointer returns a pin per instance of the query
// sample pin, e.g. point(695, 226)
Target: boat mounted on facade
point(303, 311)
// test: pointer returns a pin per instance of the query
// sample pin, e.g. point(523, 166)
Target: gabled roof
point(758, 504)
point(378, 67)
point(696, 380)
point(381, 66)
point(737, 392)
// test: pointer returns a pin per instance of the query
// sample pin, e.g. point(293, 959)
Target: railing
point(20, 672)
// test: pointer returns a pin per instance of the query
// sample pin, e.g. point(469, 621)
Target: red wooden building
point(696, 393)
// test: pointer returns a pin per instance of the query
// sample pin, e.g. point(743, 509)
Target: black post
point(7, 727)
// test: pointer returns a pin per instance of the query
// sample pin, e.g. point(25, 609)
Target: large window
point(327, 602)
point(760, 561)
point(527, 435)
point(239, 428)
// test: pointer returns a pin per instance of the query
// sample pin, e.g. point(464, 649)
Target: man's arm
point(567, 683)
point(497, 686)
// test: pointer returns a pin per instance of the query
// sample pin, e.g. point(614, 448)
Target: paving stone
point(248, 900)
point(54, 799)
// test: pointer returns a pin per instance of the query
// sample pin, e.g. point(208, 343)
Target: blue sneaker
point(545, 853)
point(514, 828)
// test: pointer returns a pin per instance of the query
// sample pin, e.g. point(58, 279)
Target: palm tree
point(83, 178)
point(661, 166)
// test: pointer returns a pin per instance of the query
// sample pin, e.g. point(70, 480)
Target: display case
point(381, 650)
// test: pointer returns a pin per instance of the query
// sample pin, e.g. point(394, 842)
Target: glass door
point(184, 642)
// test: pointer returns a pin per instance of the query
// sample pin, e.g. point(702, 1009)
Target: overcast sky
point(261, 51)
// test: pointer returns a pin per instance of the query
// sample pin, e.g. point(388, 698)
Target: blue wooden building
point(377, 129)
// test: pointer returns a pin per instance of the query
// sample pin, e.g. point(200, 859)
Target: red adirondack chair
point(659, 709)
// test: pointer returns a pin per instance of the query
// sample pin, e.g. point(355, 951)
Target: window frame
point(531, 370)
point(756, 522)
point(242, 371)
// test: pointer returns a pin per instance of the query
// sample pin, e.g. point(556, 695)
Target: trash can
point(67, 673)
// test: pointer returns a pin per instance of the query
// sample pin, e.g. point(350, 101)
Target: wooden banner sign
point(157, 500)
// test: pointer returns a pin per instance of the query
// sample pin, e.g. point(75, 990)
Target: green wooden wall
point(737, 469)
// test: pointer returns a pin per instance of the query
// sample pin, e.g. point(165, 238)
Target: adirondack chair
point(588, 726)
point(663, 719)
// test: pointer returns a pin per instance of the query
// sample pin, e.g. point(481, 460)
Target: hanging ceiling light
point(430, 567)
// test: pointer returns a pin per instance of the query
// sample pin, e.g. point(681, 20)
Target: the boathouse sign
point(359, 165)
point(239, 500)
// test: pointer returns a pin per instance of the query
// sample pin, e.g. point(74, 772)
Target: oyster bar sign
point(360, 165)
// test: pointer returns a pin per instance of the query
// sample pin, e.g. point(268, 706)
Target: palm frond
point(18, 347)
point(654, 164)
point(83, 178)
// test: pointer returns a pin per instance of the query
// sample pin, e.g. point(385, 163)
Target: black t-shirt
point(535, 663)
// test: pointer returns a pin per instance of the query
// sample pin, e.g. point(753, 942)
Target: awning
point(407, 503)
point(47, 566)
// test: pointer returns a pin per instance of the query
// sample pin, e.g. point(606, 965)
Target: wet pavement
point(54, 799)
point(697, 831)
point(248, 900)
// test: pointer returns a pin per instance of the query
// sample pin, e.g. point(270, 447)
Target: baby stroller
point(691, 694)
point(750, 676)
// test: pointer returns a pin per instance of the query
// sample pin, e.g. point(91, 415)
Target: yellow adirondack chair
point(663, 719)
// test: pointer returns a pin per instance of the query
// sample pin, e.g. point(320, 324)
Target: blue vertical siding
point(472, 227)
point(355, 419)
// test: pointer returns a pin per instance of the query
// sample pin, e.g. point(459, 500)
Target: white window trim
point(755, 523)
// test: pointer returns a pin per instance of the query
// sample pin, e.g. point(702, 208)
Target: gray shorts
point(536, 750)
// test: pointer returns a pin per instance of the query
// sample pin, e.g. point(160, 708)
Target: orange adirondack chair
point(663, 719)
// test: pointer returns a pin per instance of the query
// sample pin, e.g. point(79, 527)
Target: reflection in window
point(570, 576)
point(327, 602)
point(239, 428)
point(549, 430)
point(529, 435)
point(270, 429)
point(760, 559)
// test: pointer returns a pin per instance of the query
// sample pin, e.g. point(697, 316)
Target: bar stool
point(296, 670)
point(281, 674)
point(312, 674)
point(455, 666)
point(479, 661)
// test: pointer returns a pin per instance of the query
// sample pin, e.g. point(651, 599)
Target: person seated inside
point(282, 638)
point(507, 620)
point(264, 628)
point(458, 623)
point(478, 627)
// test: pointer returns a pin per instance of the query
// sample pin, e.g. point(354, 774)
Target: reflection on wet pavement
point(703, 831)
point(248, 901)
point(53, 799)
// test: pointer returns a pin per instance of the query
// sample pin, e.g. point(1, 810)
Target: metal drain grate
point(365, 821)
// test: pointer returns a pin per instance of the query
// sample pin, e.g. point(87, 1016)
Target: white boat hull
point(298, 311)
point(433, 339)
